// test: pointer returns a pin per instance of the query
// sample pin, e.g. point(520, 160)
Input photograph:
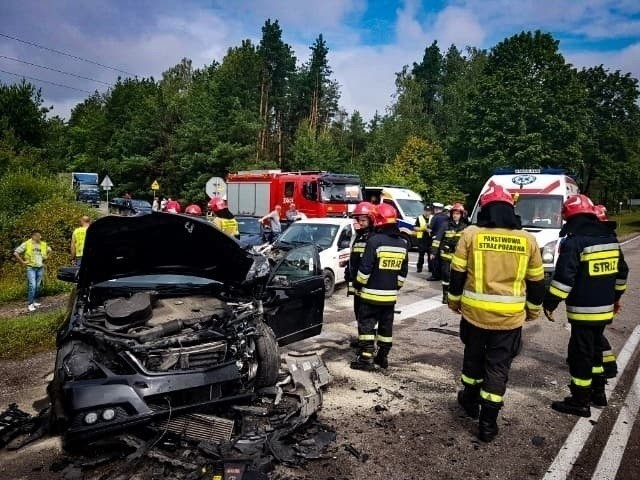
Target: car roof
point(326, 221)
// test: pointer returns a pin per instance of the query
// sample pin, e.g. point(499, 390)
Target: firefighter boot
point(488, 424)
point(598, 397)
point(445, 294)
point(469, 400)
point(364, 359)
point(577, 403)
point(381, 358)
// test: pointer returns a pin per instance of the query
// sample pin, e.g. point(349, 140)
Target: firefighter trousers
point(608, 358)
point(487, 358)
point(356, 304)
point(445, 272)
point(368, 316)
point(585, 354)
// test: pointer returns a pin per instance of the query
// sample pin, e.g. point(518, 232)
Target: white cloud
point(626, 60)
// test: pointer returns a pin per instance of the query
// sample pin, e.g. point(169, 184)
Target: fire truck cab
point(315, 193)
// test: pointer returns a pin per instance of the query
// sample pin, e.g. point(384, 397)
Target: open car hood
point(161, 243)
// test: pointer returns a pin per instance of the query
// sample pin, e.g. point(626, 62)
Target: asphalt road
point(406, 420)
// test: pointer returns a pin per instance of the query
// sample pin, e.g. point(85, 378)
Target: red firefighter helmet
point(216, 204)
point(577, 204)
point(173, 207)
point(385, 215)
point(495, 193)
point(193, 210)
point(601, 213)
point(365, 208)
point(457, 207)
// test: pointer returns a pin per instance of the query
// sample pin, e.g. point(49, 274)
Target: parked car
point(332, 236)
point(170, 314)
point(129, 206)
point(250, 230)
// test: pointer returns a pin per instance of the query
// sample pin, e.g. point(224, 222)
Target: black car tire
point(407, 238)
point(268, 356)
point(329, 282)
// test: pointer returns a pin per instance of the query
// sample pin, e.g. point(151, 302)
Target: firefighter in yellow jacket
point(497, 282)
point(223, 218)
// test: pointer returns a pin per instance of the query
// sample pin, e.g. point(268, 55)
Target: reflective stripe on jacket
point(357, 251)
point(500, 266)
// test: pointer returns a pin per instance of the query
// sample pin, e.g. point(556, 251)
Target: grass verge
point(26, 335)
point(628, 223)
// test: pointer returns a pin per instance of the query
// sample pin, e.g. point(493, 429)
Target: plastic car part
point(128, 312)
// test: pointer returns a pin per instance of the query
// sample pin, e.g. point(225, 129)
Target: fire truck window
point(288, 189)
point(390, 202)
point(310, 190)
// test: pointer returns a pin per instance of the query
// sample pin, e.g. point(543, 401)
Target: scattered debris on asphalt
point(243, 441)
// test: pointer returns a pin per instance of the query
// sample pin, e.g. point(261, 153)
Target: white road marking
point(613, 452)
point(416, 308)
point(568, 454)
point(630, 240)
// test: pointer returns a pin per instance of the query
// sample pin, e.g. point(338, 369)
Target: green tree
point(528, 110)
point(21, 111)
point(428, 74)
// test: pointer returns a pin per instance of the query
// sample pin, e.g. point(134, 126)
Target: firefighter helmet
point(216, 204)
point(495, 193)
point(365, 208)
point(174, 207)
point(601, 213)
point(577, 204)
point(457, 207)
point(385, 215)
point(193, 210)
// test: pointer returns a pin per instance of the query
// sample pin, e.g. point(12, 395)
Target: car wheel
point(329, 283)
point(268, 356)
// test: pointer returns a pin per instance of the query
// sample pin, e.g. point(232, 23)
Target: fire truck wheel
point(329, 282)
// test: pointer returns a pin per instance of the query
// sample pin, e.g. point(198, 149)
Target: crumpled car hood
point(168, 243)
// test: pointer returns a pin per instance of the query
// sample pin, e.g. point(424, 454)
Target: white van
point(539, 195)
point(407, 203)
point(332, 236)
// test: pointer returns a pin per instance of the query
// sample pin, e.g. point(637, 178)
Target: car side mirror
point(68, 274)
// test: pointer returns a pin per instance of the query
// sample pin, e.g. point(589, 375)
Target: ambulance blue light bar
point(539, 171)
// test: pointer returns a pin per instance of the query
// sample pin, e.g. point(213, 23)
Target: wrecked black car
point(170, 315)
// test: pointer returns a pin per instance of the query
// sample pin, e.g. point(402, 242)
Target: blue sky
point(369, 40)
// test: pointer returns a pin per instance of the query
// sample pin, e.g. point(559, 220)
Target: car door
point(344, 250)
point(294, 296)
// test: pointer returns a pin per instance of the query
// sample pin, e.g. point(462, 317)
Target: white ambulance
point(539, 195)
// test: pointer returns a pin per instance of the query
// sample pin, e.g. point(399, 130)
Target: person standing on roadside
point(36, 252)
point(155, 207)
point(77, 240)
point(438, 219)
point(423, 236)
point(497, 282)
point(273, 219)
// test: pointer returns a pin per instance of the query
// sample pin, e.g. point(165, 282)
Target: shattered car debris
point(171, 317)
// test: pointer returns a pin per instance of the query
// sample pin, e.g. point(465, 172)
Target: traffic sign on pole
point(216, 187)
point(107, 185)
point(155, 185)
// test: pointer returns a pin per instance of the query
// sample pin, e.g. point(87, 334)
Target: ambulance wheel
point(407, 238)
point(329, 282)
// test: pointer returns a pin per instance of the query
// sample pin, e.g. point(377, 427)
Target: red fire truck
point(316, 194)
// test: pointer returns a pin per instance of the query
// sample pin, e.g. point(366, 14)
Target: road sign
point(216, 187)
point(155, 185)
point(106, 183)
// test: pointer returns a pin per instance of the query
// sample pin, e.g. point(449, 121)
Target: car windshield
point(411, 208)
point(320, 234)
point(87, 187)
point(248, 226)
point(540, 211)
point(340, 193)
point(140, 204)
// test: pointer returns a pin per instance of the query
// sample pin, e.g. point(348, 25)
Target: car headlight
point(91, 418)
point(109, 414)
point(549, 252)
